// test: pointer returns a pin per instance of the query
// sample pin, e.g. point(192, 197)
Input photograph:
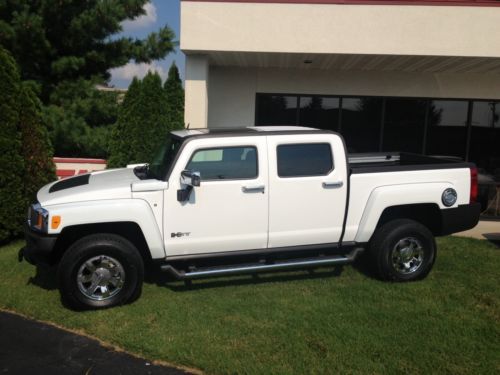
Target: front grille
point(33, 214)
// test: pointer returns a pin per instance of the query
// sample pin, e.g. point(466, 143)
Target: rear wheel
point(99, 271)
point(402, 250)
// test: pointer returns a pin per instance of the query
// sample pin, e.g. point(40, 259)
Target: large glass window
point(227, 163)
point(435, 127)
point(276, 109)
point(485, 137)
point(485, 152)
point(319, 112)
point(300, 160)
point(447, 128)
point(404, 125)
point(361, 123)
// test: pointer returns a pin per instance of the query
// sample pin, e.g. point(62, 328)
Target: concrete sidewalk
point(484, 230)
point(29, 347)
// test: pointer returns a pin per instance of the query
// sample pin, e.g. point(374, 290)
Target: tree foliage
point(143, 123)
point(66, 47)
point(36, 149)
point(54, 41)
point(128, 119)
point(147, 115)
point(11, 162)
point(175, 98)
point(26, 158)
point(79, 119)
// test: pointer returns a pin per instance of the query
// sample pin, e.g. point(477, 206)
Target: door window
point(301, 160)
point(225, 163)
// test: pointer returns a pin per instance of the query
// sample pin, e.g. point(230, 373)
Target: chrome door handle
point(253, 189)
point(336, 184)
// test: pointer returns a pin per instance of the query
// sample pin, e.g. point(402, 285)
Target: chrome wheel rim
point(101, 278)
point(407, 255)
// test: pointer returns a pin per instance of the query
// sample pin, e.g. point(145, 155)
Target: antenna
point(187, 127)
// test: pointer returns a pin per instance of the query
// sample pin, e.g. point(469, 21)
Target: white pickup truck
point(221, 202)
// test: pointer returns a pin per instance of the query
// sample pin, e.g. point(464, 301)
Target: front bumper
point(460, 218)
point(39, 247)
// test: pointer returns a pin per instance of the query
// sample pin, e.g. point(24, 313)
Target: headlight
point(449, 197)
point(38, 217)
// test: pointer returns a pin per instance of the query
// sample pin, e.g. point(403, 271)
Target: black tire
point(105, 252)
point(402, 250)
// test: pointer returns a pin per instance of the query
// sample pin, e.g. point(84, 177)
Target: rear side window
point(302, 160)
point(225, 163)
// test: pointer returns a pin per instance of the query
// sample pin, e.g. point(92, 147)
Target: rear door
point(308, 189)
point(229, 211)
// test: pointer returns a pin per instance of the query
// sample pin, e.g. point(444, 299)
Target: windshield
point(164, 158)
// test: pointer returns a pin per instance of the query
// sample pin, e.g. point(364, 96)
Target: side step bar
point(255, 268)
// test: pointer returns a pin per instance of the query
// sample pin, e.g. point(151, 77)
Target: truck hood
point(108, 184)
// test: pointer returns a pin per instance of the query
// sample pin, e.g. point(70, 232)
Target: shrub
point(175, 99)
point(142, 123)
point(36, 149)
point(13, 203)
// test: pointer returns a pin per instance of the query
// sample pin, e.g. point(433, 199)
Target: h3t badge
point(180, 234)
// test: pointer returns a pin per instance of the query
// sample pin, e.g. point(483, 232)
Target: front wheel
point(403, 250)
point(100, 271)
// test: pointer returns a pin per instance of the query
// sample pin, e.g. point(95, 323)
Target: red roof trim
point(65, 172)
point(79, 160)
point(478, 3)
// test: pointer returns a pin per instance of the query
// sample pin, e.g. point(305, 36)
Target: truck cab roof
point(249, 130)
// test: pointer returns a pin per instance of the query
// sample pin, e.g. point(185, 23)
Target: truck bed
point(401, 161)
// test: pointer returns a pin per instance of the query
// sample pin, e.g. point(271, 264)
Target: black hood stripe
point(70, 183)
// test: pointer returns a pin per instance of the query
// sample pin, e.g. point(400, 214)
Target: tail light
point(473, 185)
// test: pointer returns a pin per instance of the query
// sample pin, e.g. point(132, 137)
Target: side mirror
point(190, 178)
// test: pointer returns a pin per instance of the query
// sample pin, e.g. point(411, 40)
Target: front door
point(229, 210)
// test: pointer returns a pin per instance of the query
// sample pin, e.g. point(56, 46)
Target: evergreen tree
point(66, 48)
point(36, 149)
point(80, 119)
point(56, 41)
point(175, 98)
point(13, 204)
point(142, 125)
point(120, 152)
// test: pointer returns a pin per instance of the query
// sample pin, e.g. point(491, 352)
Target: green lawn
point(296, 322)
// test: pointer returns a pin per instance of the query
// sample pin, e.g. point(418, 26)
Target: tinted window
point(447, 128)
point(276, 109)
point(404, 125)
point(319, 112)
point(225, 163)
point(361, 123)
point(304, 160)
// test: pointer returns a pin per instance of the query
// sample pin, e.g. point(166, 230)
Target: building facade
point(416, 76)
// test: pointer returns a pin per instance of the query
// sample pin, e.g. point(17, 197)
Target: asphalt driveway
point(30, 347)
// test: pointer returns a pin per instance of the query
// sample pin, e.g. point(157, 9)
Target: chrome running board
point(256, 267)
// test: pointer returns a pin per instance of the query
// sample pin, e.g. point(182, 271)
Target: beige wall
point(341, 29)
point(196, 88)
point(231, 95)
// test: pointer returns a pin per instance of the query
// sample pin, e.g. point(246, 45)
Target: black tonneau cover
point(402, 161)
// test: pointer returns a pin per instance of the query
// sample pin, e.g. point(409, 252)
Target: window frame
point(332, 167)
point(227, 147)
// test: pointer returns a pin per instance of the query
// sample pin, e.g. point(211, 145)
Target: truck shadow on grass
point(494, 238)
point(46, 277)
point(164, 280)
